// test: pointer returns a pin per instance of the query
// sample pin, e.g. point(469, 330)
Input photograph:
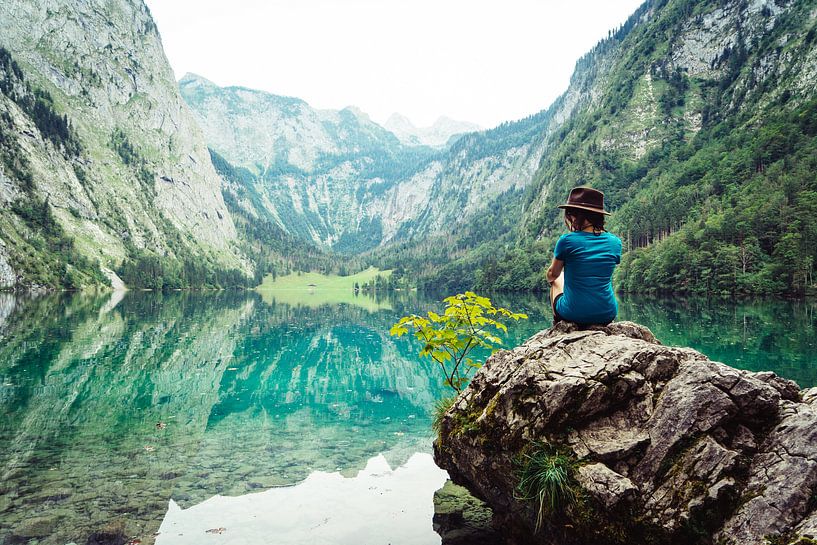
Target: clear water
point(127, 415)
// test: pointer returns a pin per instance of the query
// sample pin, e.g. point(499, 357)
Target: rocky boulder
point(664, 445)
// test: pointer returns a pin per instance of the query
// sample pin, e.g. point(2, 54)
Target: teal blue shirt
point(589, 262)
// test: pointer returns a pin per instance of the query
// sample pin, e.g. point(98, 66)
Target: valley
point(204, 286)
point(697, 119)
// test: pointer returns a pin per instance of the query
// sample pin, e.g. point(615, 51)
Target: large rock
point(665, 445)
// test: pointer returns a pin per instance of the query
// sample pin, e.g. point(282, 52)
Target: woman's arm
point(555, 270)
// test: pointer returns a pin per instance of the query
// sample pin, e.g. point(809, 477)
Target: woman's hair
point(576, 217)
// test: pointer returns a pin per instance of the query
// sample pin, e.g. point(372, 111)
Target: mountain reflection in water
point(327, 508)
point(111, 412)
point(113, 406)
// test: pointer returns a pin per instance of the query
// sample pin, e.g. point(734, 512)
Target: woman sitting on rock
point(580, 276)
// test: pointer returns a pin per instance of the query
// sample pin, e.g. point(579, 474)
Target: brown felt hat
point(586, 198)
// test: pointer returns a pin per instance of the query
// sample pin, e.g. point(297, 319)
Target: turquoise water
point(122, 415)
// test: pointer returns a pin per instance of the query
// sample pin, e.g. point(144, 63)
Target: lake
point(228, 417)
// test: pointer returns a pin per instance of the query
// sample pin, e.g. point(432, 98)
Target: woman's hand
point(555, 270)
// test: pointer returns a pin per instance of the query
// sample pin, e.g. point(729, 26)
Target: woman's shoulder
point(566, 246)
point(613, 239)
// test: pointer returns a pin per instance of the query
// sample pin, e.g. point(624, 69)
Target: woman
point(580, 276)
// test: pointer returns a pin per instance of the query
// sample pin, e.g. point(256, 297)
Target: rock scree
point(665, 445)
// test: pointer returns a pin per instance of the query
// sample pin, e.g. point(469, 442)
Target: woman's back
point(589, 260)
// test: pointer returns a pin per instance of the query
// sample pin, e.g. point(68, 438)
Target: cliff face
point(138, 174)
point(316, 169)
point(665, 446)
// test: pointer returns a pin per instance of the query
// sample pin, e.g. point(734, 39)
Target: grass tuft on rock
point(546, 476)
point(441, 407)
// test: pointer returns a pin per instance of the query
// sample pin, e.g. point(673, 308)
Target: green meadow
point(315, 289)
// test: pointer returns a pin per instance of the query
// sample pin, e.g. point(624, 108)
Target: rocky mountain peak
point(358, 113)
point(437, 135)
point(398, 122)
point(445, 123)
point(194, 79)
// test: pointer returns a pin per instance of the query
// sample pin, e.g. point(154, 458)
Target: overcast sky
point(473, 60)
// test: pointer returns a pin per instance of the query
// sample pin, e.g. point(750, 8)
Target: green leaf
point(473, 364)
point(398, 331)
point(441, 355)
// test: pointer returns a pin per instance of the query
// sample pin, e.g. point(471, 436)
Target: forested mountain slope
point(701, 129)
point(102, 162)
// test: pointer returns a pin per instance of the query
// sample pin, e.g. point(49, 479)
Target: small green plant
point(788, 538)
point(546, 477)
point(468, 322)
point(441, 407)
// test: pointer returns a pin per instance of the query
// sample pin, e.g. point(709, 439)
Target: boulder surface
point(664, 445)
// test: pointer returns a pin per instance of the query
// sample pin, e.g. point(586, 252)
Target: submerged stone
point(35, 527)
point(110, 534)
point(462, 519)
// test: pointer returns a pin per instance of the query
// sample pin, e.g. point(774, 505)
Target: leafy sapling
point(469, 322)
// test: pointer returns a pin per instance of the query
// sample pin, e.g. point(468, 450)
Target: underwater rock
point(111, 534)
point(660, 443)
point(35, 527)
point(462, 519)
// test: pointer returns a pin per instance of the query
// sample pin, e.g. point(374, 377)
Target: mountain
point(339, 180)
point(102, 162)
point(437, 135)
point(106, 177)
point(698, 121)
point(317, 170)
point(267, 132)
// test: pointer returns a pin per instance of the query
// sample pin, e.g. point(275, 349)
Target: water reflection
point(113, 406)
point(111, 410)
point(326, 508)
point(315, 298)
point(758, 335)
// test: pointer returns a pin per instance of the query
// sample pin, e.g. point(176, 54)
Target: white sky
point(473, 60)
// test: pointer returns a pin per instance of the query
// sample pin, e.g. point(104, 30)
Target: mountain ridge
point(702, 120)
point(380, 189)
